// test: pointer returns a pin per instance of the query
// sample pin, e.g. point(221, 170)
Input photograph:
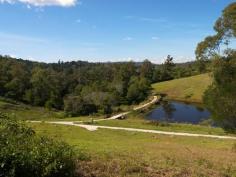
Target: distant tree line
point(82, 88)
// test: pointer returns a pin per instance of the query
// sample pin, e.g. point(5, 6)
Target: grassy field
point(138, 121)
point(108, 153)
point(121, 153)
point(135, 120)
point(185, 89)
point(25, 112)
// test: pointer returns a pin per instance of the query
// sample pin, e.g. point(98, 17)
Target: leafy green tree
point(220, 97)
point(156, 75)
point(40, 91)
point(4, 74)
point(125, 73)
point(201, 66)
point(165, 71)
point(146, 70)
point(75, 106)
point(138, 89)
point(133, 92)
point(18, 81)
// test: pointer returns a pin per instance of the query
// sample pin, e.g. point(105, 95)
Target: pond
point(179, 112)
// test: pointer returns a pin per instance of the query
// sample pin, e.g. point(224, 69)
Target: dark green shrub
point(219, 98)
point(25, 154)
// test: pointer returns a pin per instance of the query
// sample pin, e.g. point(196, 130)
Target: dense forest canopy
point(82, 88)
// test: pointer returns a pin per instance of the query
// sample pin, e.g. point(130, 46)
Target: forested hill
point(81, 87)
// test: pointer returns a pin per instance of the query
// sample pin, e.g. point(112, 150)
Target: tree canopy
point(220, 97)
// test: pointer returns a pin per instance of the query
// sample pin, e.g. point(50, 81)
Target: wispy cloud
point(153, 20)
point(93, 44)
point(146, 19)
point(41, 3)
point(129, 17)
point(28, 6)
point(78, 21)
point(128, 39)
point(155, 38)
point(16, 37)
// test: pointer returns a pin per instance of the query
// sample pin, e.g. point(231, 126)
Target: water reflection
point(169, 110)
point(179, 112)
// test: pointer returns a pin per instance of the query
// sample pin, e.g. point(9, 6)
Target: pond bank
point(178, 112)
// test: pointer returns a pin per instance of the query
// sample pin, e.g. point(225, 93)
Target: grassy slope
point(186, 89)
point(22, 111)
point(26, 112)
point(122, 153)
point(137, 121)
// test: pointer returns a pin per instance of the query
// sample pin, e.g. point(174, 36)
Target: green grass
point(123, 153)
point(134, 120)
point(22, 111)
point(137, 121)
point(189, 89)
point(26, 112)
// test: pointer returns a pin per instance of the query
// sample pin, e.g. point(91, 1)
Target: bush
point(76, 106)
point(219, 98)
point(25, 154)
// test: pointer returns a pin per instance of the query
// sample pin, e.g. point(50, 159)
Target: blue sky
point(106, 30)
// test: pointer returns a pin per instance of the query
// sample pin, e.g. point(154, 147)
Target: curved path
point(95, 127)
point(155, 99)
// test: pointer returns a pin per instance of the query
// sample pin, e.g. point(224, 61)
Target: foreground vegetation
point(189, 89)
point(122, 153)
point(23, 153)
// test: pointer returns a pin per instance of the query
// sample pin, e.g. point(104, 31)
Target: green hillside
point(186, 89)
point(26, 112)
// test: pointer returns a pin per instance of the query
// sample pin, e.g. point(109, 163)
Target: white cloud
point(41, 3)
point(128, 39)
point(13, 56)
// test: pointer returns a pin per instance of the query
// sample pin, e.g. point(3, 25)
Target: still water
point(179, 112)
